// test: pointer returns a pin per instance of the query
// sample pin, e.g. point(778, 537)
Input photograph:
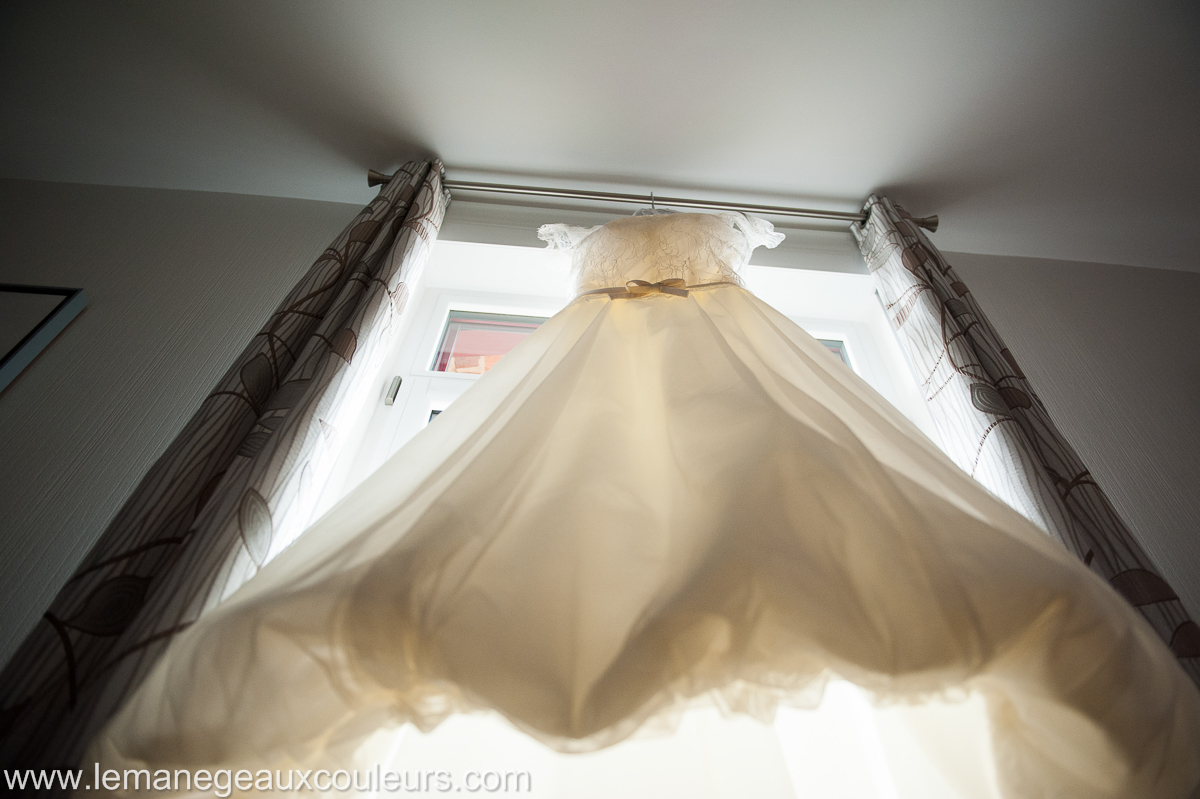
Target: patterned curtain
point(995, 427)
point(231, 490)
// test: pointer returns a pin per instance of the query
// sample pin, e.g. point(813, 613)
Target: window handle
point(390, 397)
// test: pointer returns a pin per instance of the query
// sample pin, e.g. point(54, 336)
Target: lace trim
point(564, 237)
point(758, 232)
point(687, 247)
point(756, 690)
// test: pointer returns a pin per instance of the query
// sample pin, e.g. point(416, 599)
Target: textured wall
point(1114, 351)
point(177, 282)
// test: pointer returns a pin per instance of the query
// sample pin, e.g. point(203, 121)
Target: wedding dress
point(669, 491)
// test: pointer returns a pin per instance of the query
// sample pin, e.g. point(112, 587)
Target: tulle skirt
point(656, 502)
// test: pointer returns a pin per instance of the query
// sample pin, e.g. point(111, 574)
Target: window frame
point(423, 389)
point(854, 317)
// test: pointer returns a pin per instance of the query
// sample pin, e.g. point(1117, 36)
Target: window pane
point(838, 348)
point(473, 342)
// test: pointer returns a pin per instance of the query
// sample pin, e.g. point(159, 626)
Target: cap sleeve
point(564, 237)
point(758, 232)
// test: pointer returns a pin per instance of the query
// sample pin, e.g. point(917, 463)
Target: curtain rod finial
point(930, 222)
point(376, 178)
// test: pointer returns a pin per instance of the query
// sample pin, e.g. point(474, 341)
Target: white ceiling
point(1051, 129)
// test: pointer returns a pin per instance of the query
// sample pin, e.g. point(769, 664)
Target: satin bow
point(640, 288)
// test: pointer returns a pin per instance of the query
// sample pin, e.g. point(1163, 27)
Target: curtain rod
point(375, 178)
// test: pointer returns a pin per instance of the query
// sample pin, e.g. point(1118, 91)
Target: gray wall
point(178, 282)
point(1114, 352)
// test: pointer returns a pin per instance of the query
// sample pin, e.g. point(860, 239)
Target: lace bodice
point(698, 248)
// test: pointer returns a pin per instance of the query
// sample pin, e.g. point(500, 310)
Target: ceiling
point(1050, 129)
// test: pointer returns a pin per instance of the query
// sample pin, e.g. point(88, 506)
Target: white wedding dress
point(668, 497)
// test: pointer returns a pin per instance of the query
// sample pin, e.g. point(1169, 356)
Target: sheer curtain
point(996, 428)
point(234, 488)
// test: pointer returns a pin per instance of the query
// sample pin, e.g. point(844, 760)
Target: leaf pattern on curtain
point(231, 490)
point(996, 428)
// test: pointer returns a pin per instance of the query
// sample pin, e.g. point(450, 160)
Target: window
point(838, 348)
point(476, 302)
point(474, 342)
